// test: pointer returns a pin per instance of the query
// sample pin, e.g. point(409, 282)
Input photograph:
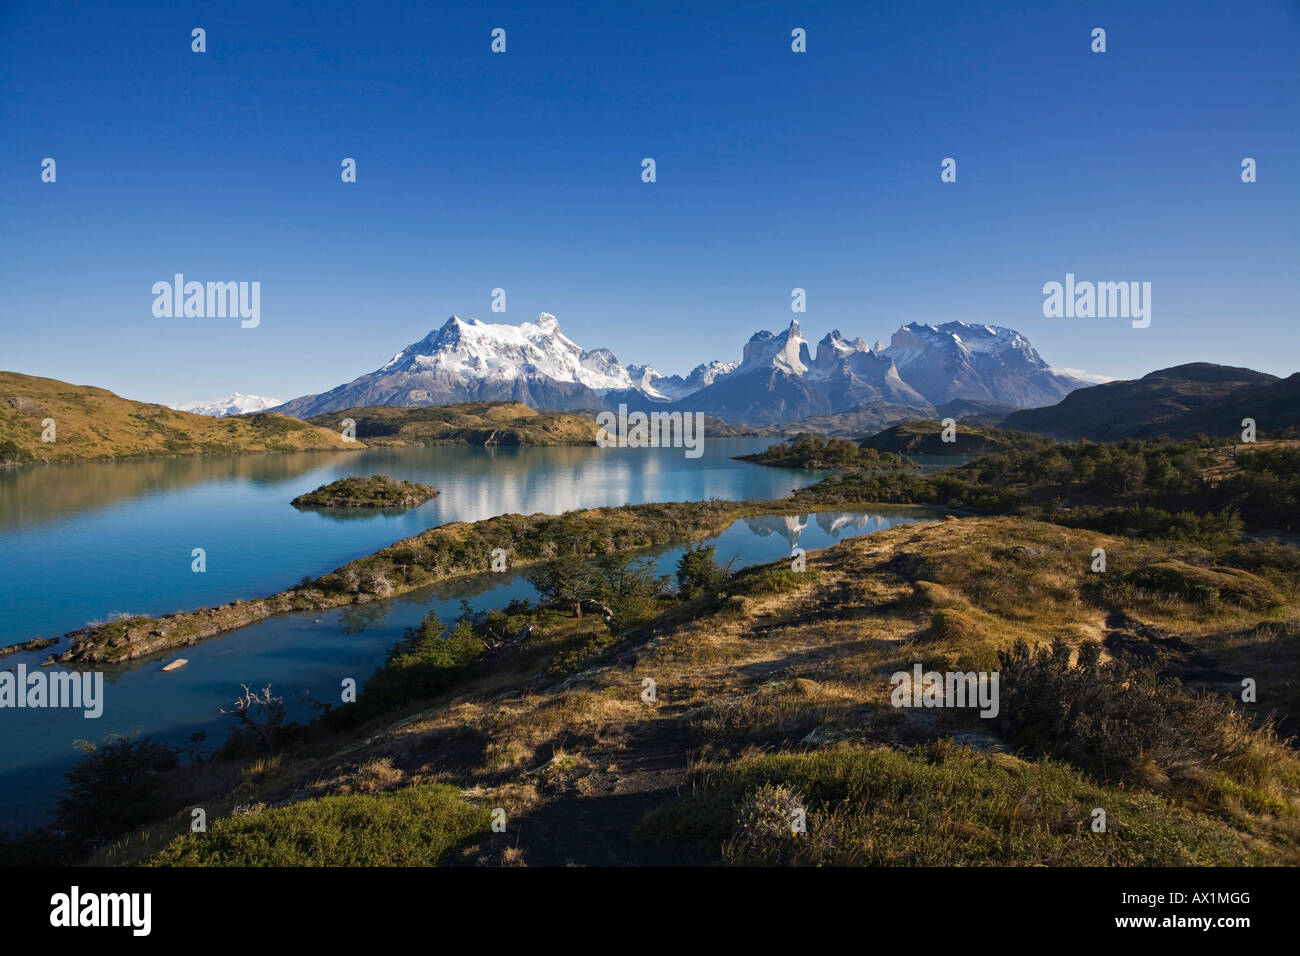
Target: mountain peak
point(453, 323)
point(834, 347)
point(783, 351)
point(834, 339)
point(236, 403)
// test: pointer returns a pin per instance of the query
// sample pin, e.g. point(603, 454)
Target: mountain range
point(778, 378)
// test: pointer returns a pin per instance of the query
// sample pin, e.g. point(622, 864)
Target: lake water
point(79, 542)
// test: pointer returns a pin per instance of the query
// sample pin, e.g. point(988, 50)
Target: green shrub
point(415, 826)
point(768, 579)
point(10, 452)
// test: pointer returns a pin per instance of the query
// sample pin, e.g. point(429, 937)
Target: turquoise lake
point(83, 542)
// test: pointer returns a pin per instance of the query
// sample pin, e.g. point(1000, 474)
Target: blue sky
point(522, 171)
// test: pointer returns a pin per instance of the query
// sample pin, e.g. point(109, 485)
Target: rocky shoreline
point(35, 644)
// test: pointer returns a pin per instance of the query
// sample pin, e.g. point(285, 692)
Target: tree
point(629, 588)
point(260, 715)
point(112, 790)
point(698, 572)
point(564, 582)
point(621, 588)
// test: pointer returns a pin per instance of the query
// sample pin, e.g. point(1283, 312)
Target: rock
point(35, 644)
point(1018, 552)
point(821, 735)
point(985, 743)
point(26, 406)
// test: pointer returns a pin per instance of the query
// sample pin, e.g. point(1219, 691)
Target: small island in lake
point(377, 491)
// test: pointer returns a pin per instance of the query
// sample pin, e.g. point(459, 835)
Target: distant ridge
point(94, 423)
point(1179, 402)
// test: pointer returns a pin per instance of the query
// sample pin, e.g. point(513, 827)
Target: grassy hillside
point(471, 423)
point(94, 423)
point(773, 693)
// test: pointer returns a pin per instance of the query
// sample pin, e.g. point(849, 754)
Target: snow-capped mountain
point(504, 353)
point(236, 404)
point(982, 362)
point(471, 361)
point(924, 366)
point(778, 378)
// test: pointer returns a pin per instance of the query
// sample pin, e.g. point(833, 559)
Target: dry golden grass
point(807, 668)
point(374, 776)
